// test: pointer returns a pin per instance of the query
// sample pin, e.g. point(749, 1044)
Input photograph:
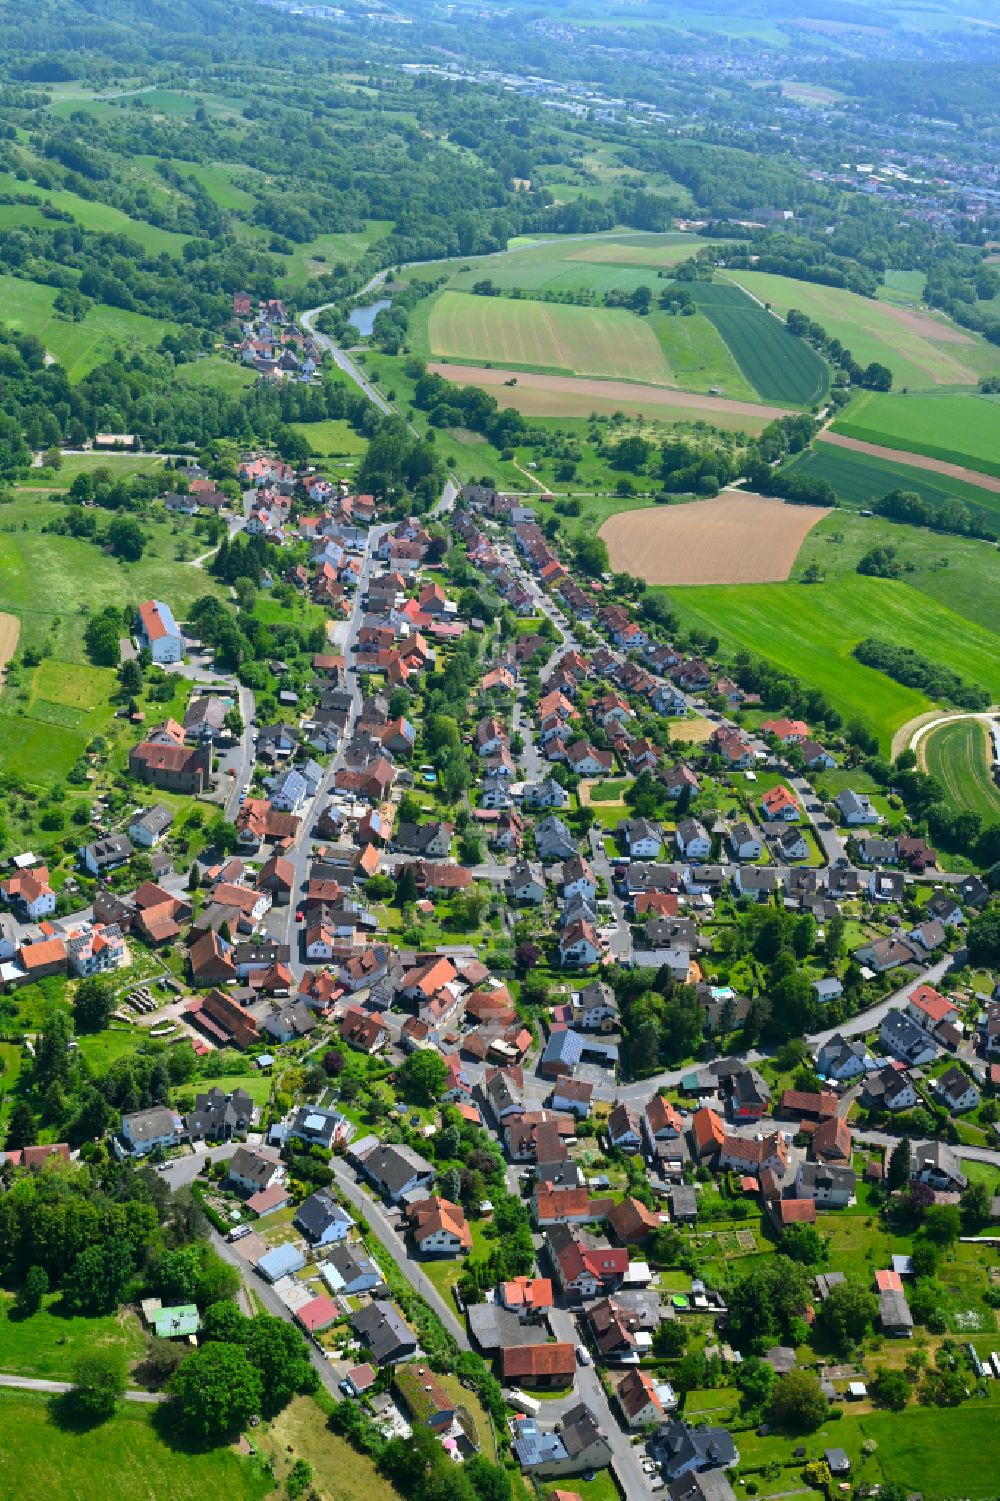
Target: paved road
point(398, 1249)
point(281, 920)
point(243, 757)
point(180, 1171)
point(59, 1388)
point(625, 1461)
point(342, 360)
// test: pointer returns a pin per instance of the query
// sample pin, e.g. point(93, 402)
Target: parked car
point(583, 1355)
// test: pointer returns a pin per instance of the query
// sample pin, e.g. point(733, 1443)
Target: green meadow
point(861, 478)
point(961, 429)
point(811, 630)
point(79, 346)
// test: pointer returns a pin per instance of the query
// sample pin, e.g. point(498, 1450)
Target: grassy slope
point(871, 331)
point(811, 631)
point(963, 429)
point(219, 373)
point(125, 1457)
point(958, 572)
point(77, 346)
point(103, 218)
point(47, 1344)
point(960, 756)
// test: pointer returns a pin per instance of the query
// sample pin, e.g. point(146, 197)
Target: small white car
point(583, 1355)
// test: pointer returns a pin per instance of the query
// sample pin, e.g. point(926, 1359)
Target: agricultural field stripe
point(979, 477)
point(662, 396)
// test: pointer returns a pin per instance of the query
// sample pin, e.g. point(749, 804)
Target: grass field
point(698, 356)
point(102, 218)
point(80, 346)
point(593, 263)
point(902, 287)
point(217, 180)
point(219, 373)
point(42, 1456)
point(860, 478)
point(48, 1343)
point(958, 572)
point(332, 438)
point(778, 365)
point(961, 429)
point(811, 631)
point(317, 257)
point(960, 755)
point(340, 1473)
point(602, 342)
point(921, 350)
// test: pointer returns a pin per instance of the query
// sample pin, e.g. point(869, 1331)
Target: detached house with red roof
point(779, 805)
point(158, 632)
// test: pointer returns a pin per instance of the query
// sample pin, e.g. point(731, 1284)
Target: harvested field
point(915, 460)
point(737, 538)
point(570, 396)
point(10, 629)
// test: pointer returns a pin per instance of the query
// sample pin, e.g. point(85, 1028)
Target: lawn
point(340, 1473)
point(962, 429)
point(568, 340)
point(48, 1343)
point(812, 630)
point(44, 1456)
point(960, 755)
point(778, 365)
point(122, 465)
point(921, 350)
point(601, 1488)
point(861, 478)
point(319, 256)
point(27, 305)
point(958, 572)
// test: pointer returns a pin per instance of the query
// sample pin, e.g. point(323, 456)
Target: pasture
point(861, 478)
point(958, 429)
point(779, 366)
point(78, 347)
point(540, 395)
point(318, 256)
point(332, 438)
point(811, 630)
point(736, 538)
point(219, 373)
point(960, 754)
point(959, 572)
point(922, 350)
point(608, 342)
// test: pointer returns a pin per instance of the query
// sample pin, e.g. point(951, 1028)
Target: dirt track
point(737, 538)
point(915, 460)
point(10, 629)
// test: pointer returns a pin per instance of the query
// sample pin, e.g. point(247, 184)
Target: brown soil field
point(576, 396)
point(737, 538)
point(10, 629)
point(928, 327)
point(915, 460)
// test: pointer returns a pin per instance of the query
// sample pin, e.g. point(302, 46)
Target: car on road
point(238, 1232)
point(299, 915)
point(246, 788)
point(583, 1355)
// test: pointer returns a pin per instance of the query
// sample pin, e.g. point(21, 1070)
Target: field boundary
point(10, 630)
point(881, 443)
point(978, 477)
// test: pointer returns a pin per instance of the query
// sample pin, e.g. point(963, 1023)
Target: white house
point(856, 808)
point(145, 1130)
point(956, 1090)
point(158, 631)
point(693, 839)
point(578, 945)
